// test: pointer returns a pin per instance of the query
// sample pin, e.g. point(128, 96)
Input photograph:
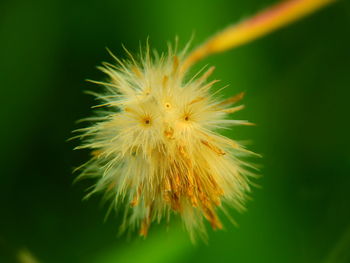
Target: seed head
point(155, 148)
point(154, 143)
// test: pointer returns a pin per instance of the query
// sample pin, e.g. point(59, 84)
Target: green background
point(297, 84)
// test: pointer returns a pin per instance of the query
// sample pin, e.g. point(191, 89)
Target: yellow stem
point(259, 25)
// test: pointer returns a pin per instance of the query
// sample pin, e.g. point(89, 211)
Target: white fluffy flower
point(155, 147)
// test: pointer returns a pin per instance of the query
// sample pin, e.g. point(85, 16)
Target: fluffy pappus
point(155, 147)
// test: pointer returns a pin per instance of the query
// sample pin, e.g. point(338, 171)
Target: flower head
point(155, 146)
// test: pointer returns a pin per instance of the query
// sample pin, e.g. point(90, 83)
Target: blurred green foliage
point(297, 82)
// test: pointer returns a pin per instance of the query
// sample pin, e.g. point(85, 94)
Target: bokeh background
point(297, 84)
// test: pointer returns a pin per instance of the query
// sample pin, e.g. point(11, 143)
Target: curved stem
point(259, 25)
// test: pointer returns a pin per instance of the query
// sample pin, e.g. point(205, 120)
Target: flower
point(155, 147)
